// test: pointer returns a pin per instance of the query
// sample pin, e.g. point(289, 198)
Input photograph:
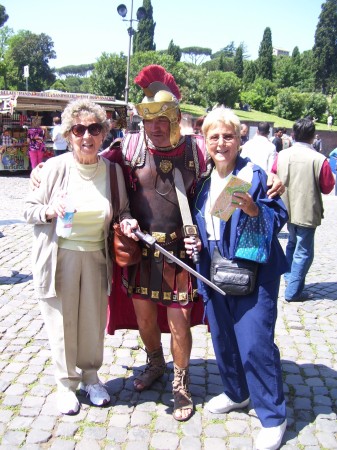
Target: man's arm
point(35, 178)
point(276, 185)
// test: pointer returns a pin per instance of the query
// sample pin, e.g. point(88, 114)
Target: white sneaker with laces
point(223, 404)
point(97, 393)
point(270, 438)
point(67, 402)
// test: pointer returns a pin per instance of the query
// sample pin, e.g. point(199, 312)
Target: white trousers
point(76, 318)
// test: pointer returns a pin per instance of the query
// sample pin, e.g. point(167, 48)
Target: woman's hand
point(192, 244)
point(127, 226)
point(57, 208)
point(245, 202)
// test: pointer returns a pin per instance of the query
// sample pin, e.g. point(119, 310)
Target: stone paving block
point(140, 418)
point(66, 430)
point(13, 438)
point(38, 437)
point(164, 441)
point(117, 434)
point(215, 443)
point(62, 444)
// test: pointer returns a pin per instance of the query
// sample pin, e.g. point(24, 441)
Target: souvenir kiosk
point(20, 110)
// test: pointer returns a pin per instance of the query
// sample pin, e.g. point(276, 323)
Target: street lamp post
point(141, 14)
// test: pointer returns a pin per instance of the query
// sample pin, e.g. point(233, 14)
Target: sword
point(151, 241)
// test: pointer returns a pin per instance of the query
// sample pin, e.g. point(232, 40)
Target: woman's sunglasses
point(79, 130)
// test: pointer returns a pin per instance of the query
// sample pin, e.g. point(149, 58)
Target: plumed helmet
point(162, 97)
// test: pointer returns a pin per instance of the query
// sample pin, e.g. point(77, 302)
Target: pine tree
point(325, 47)
point(238, 62)
point(144, 37)
point(174, 51)
point(265, 58)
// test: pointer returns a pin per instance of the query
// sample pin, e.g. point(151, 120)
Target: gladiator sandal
point(154, 369)
point(181, 395)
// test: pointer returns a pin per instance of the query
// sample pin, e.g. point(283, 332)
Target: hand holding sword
point(151, 242)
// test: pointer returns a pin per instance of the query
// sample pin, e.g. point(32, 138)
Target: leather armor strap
point(155, 284)
point(168, 284)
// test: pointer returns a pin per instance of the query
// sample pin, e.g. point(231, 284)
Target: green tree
point(261, 95)
point(174, 51)
point(143, 40)
point(227, 52)
point(325, 47)
point(265, 58)
point(290, 104)
point(189, 78)
point(108, 76)
point(196, 54)
point(314, 105)
point(221, 88)
point(81, 70)
point(33, 50)
point(3, 16)
point(222, 63)
point(286, 71)
point(5, 34)
point(238, 62)
point(249, 73)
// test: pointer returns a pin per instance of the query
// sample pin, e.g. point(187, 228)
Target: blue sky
point(81, 29)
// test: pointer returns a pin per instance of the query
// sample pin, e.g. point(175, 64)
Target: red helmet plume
point(154, 78)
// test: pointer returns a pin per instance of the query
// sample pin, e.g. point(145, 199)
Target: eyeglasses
point(214, 139)
point(79, 130)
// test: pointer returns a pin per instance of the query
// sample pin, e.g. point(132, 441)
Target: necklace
point(87, 178)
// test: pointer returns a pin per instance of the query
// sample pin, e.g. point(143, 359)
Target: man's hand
point(35, 179)
point(277, 187)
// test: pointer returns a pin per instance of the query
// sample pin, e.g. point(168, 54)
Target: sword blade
point(150, 240)
point(189, 269)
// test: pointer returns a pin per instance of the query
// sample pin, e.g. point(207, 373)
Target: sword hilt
point(147, 238)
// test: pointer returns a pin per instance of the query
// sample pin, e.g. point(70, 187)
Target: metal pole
point(131, 32)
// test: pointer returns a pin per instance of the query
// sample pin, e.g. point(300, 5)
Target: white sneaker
point(67, 402)
point(223, 404)
point(270, 438)
point(97, 393)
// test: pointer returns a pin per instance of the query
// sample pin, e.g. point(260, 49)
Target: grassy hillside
point(254, 116)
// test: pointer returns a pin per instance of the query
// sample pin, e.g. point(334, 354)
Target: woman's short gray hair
point(222, 115)
point(83, 107)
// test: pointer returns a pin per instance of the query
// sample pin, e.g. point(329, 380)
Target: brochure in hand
point(223, 206)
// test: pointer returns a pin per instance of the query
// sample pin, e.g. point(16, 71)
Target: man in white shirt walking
point(259, 149)
point(60, 145)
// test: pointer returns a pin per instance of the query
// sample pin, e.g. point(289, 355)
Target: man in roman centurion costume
point(158, 286)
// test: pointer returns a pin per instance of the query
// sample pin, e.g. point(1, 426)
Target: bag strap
point(114, 191)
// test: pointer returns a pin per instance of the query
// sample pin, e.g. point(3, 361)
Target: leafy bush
point(289, 104)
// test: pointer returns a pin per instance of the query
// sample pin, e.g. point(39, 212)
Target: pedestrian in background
point(72, 275)
point(60, 144)
point(36, 145)
point(259, 149)
point(277, 141)
point(244, 133)
point(317, 144)
point(306, 175)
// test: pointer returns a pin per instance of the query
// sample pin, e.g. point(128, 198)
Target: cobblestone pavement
point(306, 335)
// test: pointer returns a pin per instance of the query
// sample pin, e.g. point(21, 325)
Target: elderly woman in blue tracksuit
point(242, 327)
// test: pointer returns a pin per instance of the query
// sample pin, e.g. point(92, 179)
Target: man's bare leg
point(179, 320)
point(146, 313)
